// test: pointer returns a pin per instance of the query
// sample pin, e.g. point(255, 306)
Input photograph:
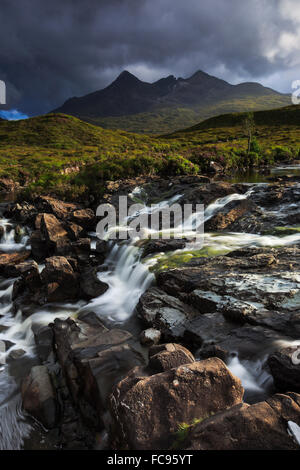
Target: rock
point(61, 210)
point(90, 285)
point(39, 248)
point(38, 397)
point(285, 368)
point(22, 212)
point(61, 280)
point(262, 426)
point(75, 231)
point(229, 214)
point(16, 354)
point(168, 356)
point(44, 340)
point(85, 218)
point(148, 410)
point(53, 232)
point(82, 247)
point(162, 246)
point(150, 336)
point(8, 185)
point(102, 247)
point(93, 359)
point(8, 261)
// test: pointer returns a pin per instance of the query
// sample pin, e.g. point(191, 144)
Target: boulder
point(38, 396)
point(147, 411)
point(93, 359)
point(60, 279)
point(285, 368)
point(8, 261)
point(168, 356)
point(75, 231)
point(90, 285)
point(53, 233)
point(262, 426)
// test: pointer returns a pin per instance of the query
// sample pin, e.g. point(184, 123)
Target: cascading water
point(127, 278)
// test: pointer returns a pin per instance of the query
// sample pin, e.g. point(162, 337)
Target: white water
point(127, 278)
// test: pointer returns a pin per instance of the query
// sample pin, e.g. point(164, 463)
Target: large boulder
point(263, 426)
point(147, 411)
point(39, 397)
point(60, 279)
point(285, 368)
point(93, 359)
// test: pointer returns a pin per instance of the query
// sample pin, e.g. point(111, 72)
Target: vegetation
point(60, 154)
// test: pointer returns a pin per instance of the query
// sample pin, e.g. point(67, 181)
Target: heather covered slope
point(169, 103)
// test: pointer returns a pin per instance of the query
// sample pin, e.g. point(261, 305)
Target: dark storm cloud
point(52, 51)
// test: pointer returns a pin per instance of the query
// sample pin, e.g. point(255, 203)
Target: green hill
point(59, 154)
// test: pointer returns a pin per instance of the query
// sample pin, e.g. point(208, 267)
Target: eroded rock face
point(262, 426)
point(93, 359)
point(230, 213)
point(39, 398)
point(148, 410)
point(8, 262)
point(285, 368)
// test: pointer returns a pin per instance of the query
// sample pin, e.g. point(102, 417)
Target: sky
point(51, 51)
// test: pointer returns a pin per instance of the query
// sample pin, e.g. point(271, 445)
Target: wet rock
point(8, 261)
point(285, 368)
point(44, 340)
point(230, 214)
point(16, 354)
point(93, 359)
point(262, 426)
point(150, 336)
point(60, 279)
point(90, 285)
point(85, 218)
point(207, 193)
point(168, 356)
point(39, 398)
point(102, 247)
point(53, 233)
point(148, 410)
point(162, 246)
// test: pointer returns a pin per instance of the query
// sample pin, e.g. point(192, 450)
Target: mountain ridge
point(169, 103)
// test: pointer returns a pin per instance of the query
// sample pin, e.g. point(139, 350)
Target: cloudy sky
point(51, 51)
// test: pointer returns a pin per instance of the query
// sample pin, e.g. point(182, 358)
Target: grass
point(62, 155)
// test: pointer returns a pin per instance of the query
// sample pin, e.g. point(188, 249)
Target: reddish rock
point(148, 410)
point(262, 426)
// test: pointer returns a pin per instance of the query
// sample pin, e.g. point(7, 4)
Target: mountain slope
point(168, 104)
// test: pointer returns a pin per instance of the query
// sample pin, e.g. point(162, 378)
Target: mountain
point(169, 103)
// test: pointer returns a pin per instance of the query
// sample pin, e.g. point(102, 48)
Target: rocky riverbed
point(163, 344)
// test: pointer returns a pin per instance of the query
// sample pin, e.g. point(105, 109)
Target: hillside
point(169, 103)
point(62, 155)
point(274, 127)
